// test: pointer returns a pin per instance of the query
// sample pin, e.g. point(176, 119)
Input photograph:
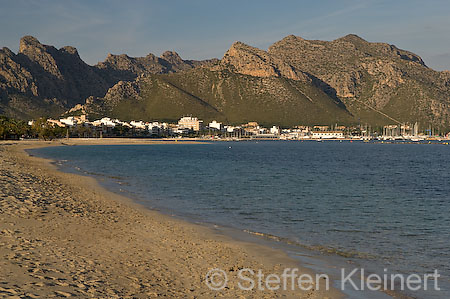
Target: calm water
point(383, 204)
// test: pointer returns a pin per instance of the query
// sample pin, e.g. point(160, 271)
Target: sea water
point(377, 205)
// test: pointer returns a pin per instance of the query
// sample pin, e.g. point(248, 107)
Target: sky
point(201, 29)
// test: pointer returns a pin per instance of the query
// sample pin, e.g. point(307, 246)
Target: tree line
point(13, 129)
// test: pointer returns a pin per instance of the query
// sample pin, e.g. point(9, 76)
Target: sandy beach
point(63, 235)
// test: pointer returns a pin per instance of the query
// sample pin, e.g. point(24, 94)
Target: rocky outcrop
point(247, 60)
point(13, 76)
point(36, 56)
point(123, 67)
point(174, 62)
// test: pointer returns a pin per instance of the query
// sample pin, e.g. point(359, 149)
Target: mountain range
point(296, 81)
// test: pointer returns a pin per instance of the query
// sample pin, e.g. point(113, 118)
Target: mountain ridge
point(358, 81)
point(41, 80)
point(376, 75)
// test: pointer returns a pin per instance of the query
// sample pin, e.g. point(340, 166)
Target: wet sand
point(63, 235)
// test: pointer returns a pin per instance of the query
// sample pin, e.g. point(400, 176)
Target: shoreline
point(109, 236)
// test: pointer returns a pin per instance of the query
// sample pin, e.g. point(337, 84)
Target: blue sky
point(200, 29)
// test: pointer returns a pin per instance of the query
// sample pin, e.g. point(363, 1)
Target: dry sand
point(63, 235)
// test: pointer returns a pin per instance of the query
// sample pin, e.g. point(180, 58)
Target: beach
point(63, 235)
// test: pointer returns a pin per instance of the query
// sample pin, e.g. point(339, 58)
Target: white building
point(215, 125)
point(191, 123)
point(231, 129)
point(275, 130)
point(69, 121)
point(181, 131)
point(106, 121)
point(156, 128)
point(72, 121)
point(138, 124)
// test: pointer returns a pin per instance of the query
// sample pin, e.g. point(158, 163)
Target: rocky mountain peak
point(248, 60)
point(151, 56)
point(69, 50)
point(114, 57)
point(7, 52)
point(240, 46)
point(36, 55)
point(171, 57)
point(27, 42)
point(352, 38)
point(174, 63)
point(43, 76)
point(291, 41)
point(293, 38)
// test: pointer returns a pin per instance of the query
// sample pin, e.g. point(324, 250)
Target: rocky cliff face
point(247, 60)
point(346, 62)
point(13, 75)
point(122, 67)
point(43, 80)
point(59, 74)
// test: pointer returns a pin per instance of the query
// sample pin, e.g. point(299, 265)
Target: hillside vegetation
point(297, 81)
